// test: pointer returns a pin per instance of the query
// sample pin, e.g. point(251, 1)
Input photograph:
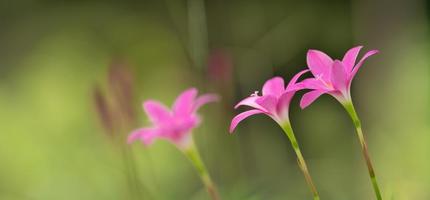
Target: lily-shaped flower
point(334, 78)
point(275, 102)
point(176, 126)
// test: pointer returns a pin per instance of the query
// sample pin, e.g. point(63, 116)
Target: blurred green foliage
point(53, 54)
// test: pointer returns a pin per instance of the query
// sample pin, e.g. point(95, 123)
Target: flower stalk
point(193, 155)
point(301, 161)
point(349, 107)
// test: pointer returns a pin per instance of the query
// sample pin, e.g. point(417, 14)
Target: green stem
point(193, 154)
point(357, 123)
point(302, 164)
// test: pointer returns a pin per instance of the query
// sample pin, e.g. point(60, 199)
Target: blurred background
point(73, 75)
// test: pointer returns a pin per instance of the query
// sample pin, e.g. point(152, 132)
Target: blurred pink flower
point(274, 102)
point(332, 77)
point(175, 125)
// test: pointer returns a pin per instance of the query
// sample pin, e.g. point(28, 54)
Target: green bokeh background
point(53, 54)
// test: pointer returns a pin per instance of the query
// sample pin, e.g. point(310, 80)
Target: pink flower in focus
point(173, 125)
point(274, 102)
point(332, 77)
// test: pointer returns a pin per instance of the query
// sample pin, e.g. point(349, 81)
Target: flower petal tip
point(315, 52)
point(215, 97)
point(238, 118)
point(303, 105)
point(310, 97)
point(132, 138)
point(193, 89)
point(205, 99)
point(233, 125)
point(276, 78)
point(374, 51)
point(147, 103)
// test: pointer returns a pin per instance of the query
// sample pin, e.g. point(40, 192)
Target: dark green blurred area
point(54, 53)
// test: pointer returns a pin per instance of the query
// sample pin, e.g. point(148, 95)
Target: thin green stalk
point(193, 154)
point(357, 123)
point(302, 164)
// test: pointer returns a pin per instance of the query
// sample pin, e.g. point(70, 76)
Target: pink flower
point(331, 77)
point(173, 125)
point(274, 102)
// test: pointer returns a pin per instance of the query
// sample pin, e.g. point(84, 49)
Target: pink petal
point(350, 57)
point(269, 103)
point(320, 64)
point(184, 104)
point(274, 86)
point(339, 76)
point(190, 123)
point(251, 102)
point(179, 128)
point(313, 84)
point(310, 97)
point(204, 99)
point(156, 111)
point(355, 70)
point(284, 103)
point(145, 134)
point(236, 120)
point(293, 80)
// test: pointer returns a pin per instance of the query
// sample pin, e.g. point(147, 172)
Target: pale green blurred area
point(53, 53)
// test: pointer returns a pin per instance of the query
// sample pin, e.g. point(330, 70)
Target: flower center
point(328, 85)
